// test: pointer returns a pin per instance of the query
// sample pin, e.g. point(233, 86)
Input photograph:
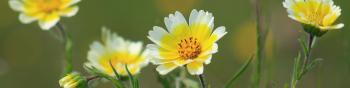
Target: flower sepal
point(314, 31)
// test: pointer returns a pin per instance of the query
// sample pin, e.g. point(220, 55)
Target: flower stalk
point(202, 81)
point(259, 45)
point(68, 48)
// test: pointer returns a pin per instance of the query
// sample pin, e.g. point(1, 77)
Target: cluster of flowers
point(182, 43)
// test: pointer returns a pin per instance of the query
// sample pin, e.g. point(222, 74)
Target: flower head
point(47, 12)
point(318, 15)
point(72, 80)
point(114, 50)
point(190, 45)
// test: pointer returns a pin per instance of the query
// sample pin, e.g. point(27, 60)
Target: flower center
point(49, 6)
point(189, 48)
point(315, 18)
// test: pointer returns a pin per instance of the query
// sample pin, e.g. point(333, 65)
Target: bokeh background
point(32, 58)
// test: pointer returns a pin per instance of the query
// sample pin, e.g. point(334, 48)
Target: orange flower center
point(49, 6)
point(189, 48)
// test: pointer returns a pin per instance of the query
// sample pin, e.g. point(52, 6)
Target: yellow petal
point(49, 21)
point(165, 68)
point(195, 68)
point(69, 11)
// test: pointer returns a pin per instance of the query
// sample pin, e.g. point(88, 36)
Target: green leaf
point(133, 81)
point(96, 72)
point(314, 63)
point(239, 73)
point(296, 70)
point(114, 71)
point(303, 46)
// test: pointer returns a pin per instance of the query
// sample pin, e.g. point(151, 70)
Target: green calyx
point(314, 31)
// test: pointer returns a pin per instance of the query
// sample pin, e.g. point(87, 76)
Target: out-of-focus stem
point(68, 48)
point(259, 45)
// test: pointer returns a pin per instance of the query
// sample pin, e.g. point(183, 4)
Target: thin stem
point(307, 56)
point(259, 45)
point(91, 78)
point(68, 48)
point(201, 79)
point(239, 73)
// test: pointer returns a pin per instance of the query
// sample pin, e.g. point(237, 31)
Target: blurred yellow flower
point(320, 14)
point(190, 45)
point(47, 12)
point(119, 51)
point(72, 80)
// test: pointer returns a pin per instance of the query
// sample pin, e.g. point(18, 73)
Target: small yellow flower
point(319, 14)
point(119, 51)
point(72, 80)
point(190, 45)
point(47, 12)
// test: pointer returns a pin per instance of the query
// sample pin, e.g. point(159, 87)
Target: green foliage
point(239, 73)
point(133, 80)
point(92, 70)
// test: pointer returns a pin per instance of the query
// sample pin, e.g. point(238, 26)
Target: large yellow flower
point(190, 45)
point(119, 51)
point(320, 14)
point(47, 12)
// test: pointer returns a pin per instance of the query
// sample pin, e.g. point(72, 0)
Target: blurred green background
point(32, 58)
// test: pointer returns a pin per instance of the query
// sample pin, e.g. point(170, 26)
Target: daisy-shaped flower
point(46, 12)
point(190, 45)
point(119, 52)
point(73, 80)
point(317, 15)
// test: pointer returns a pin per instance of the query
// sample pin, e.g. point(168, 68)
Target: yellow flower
point(119, 51)
point(72, 80)
point(190, 45)
point(47, 12)
point(319, 14)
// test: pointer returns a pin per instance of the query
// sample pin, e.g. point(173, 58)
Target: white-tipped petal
point(73, 2)
point(135, 48)
point(157, 34)
point(338, 26)
point(26, 19)
point(49, 21)
point(193, 16)
point(16, 5)
point(174, 20)
point(70, 11)
point(219, 32)
point(195, 68)
point(165, 68)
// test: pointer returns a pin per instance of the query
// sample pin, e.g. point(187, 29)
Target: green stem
point(259, 45)
point(133, 81)
point(68, 48)
point(201, 79)
point(239, 73)
point(307, 56)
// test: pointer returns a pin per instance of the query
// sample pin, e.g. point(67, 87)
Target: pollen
point(189, 48)
point(49, 6)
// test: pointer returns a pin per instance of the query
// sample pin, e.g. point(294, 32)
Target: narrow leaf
point(133, 82)
point(239, 73)
point(114, 71)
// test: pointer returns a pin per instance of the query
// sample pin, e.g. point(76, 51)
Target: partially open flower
point(47, 12)
point(73, 80)
point(317, 16)
point(119, 52)
point(190, 45)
